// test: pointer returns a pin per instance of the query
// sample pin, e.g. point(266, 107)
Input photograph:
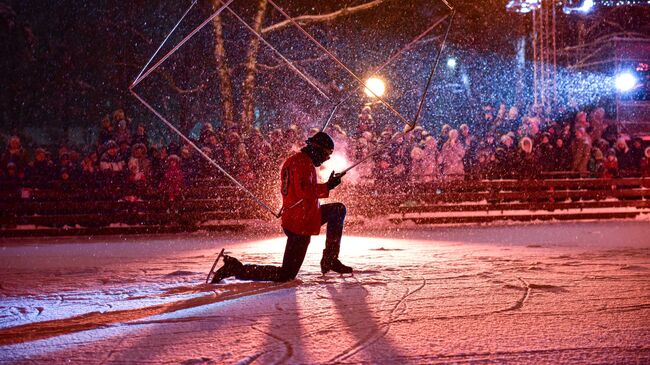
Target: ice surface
point(542, 293)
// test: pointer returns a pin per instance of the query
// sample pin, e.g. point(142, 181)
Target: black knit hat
point(321, 139)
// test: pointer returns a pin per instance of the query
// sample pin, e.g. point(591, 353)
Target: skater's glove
point(334, 180)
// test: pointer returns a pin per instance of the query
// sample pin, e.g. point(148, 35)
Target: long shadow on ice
point(364, 323)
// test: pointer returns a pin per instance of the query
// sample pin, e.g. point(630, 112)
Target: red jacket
point(299, 181)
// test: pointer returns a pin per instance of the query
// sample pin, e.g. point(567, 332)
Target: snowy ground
point(542, 293)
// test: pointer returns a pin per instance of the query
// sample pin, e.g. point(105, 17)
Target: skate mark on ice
point(633, 268)
point(113, 350)
point(94, 320)
point(182, 273)
point(386, 249)
point(249, 359)
point(519, 303)
point(548, 288)
point(287, 345)
point(201, 360)
point(382, 329)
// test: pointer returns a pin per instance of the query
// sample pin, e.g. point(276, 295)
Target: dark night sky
point(79, 58)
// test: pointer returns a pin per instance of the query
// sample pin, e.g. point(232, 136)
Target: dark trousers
point(296, 248)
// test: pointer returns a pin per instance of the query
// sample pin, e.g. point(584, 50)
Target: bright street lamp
point(625, 82)
point(375, 87)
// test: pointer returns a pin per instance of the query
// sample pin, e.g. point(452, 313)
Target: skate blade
point(216, 261)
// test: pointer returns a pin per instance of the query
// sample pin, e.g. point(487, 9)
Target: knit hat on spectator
point(611, 152)
point(111, 144)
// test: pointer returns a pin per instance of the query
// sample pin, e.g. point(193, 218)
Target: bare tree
point(251, 64)
point(248, 102)
point(221, 60)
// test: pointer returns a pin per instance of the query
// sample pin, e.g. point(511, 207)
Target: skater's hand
point(334, 180)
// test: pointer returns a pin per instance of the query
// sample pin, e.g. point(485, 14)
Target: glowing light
point(586, 6)
point(375, 87)
point(625, 82)
point(337, 162)
point(451, 62)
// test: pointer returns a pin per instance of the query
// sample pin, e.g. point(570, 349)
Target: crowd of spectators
point(500, 144)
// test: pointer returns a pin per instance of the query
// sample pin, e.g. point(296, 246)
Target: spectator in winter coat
point(189, 164)
point(470, 145)
point(581, 121)
point(111, 164)
point(12, 178)
point(158, 161)
point(580, 152)
point(485, 165)
point(610, 166)
point(544, 153)
point(173, 183)
point(561, 156)
point(42, 170)
point(71, 169)
point(105, 132)
point(636, 154)
point(624, 157)
point(526, 161)
point(139, 166)
point(400, 156)
point(122, 133)
point(140, 135)
point(15, 153)
point(505, 156)
point(206, 131)
point(451, 158)
point(645, 163)
point(90, 169)
point(611, 133)
point(597, 124)
point(424, 162)
point(511, 122)
point(124, 152)
point(444, 135)
point(596, 163)
point(366, 123)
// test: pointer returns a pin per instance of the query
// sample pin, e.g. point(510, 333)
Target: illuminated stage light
point(451, 63)
point(625, 82)
point(586, 6)
point(375, 87)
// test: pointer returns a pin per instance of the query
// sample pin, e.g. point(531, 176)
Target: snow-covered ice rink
point(537, 293)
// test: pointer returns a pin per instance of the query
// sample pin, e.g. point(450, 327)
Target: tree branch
point(304, 19)
point(180, 90)
point(266, 67)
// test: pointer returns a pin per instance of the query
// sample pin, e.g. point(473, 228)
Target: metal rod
point(291, 65)
point(386, 63)
point(390, 107)
point(208, 158)
point(433, 70)
point(165, 40)
point(182, 42)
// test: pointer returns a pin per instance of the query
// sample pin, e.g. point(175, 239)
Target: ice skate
point(327, 265)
